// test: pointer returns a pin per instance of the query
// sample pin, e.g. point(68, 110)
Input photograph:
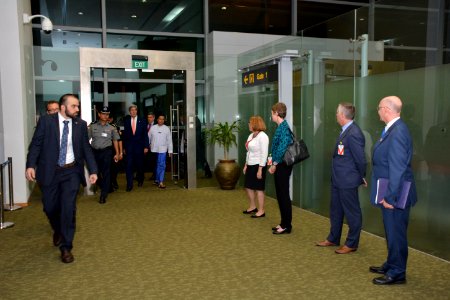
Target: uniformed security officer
point(104, 137)
point(115, 164)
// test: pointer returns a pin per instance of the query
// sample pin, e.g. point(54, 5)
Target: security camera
point(46, 24)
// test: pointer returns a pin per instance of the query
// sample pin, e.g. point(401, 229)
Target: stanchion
point(11, 205)
point(3, 225)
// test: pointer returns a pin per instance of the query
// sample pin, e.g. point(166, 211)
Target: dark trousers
point(135, 161)
point(281, 177)
point(150, 162)
point(103, 158)
point(345, 202)
point(59, 200)
point(395, 227)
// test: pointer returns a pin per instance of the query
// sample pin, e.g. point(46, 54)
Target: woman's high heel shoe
point(248, 212)
point(260, 216)
point(282, 231)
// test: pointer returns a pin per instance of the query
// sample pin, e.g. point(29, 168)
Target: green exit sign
point(139, 62)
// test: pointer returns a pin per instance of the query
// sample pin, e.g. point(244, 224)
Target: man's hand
point(386, 205)
point(145, 150)
point(30, 174)
point(244, 170)
point(365, 182)
point(92, 178)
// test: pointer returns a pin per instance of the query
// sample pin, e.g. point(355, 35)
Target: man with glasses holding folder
point(392, 156)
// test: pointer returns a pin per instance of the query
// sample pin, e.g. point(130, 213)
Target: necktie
point(383, 133)
point(133, 124)
point(63, 147)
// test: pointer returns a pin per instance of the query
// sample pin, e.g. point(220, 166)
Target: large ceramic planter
point(227, 173)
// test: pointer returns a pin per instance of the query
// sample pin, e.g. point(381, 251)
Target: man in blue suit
point(347, 174)
point(392, 156)
point(56, 157)
point(136, 144)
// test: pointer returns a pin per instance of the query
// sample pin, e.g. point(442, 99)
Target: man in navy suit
point(392, 156)
point(56, 157)
point(347, 174)
point(136, 144)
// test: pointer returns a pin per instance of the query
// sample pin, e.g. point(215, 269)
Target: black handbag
point(295, 152)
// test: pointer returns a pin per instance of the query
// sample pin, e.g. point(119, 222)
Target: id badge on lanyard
point(340, 149)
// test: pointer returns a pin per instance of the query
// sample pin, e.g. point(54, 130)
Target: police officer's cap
point(105, 110)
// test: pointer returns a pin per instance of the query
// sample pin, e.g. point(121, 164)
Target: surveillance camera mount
point(46, 24)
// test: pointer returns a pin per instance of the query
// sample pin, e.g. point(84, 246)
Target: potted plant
point(227, 171)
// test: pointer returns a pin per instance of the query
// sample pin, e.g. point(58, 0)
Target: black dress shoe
point(115, 185)
point(377, 270)
point(66, 256)
point(282, 231)
point(248, 212)
point(57, 239)
point(129, 188)
point(261, 216)
point(102, 200)
point(385, 280)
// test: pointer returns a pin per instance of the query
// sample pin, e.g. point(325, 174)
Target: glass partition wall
point(331, 70)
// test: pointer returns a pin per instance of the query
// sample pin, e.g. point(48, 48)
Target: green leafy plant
point(223, 134)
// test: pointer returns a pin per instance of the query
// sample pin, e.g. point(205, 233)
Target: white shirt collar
point(388, 125)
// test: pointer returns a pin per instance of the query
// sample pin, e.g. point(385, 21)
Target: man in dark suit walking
point(136, 144)
point(56, 157)
point(347, 174)
point(392, 156)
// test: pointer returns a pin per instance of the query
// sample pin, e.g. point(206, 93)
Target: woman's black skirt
point(251, 181)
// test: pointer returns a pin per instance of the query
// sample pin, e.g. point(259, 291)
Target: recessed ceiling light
point(223, 8)
point(144, 1)
point(133, 16)
point(80, 13)
point(361, 19)
point(330, 30)
point(79, 34)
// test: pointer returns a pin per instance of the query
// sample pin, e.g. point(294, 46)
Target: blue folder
point(382, 188)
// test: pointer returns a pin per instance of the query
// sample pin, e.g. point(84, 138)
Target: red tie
point(133, 124)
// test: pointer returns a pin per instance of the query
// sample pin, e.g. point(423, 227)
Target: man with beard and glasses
point(56, 157)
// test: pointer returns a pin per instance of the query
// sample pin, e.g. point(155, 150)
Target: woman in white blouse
point(257, 146)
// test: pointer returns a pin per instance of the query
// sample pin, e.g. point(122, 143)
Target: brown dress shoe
point(345, 250)
point(66, 257)
point(325, 243)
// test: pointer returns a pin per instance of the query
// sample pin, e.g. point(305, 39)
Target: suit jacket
point(43, 151)
point(348, 170)
point(391, 159)
point(137, 142)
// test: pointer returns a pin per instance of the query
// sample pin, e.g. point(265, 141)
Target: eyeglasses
point(380, 107)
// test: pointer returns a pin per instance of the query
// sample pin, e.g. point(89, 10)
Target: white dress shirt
point(160, 139)
point(70, 156)
point(258, 149)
